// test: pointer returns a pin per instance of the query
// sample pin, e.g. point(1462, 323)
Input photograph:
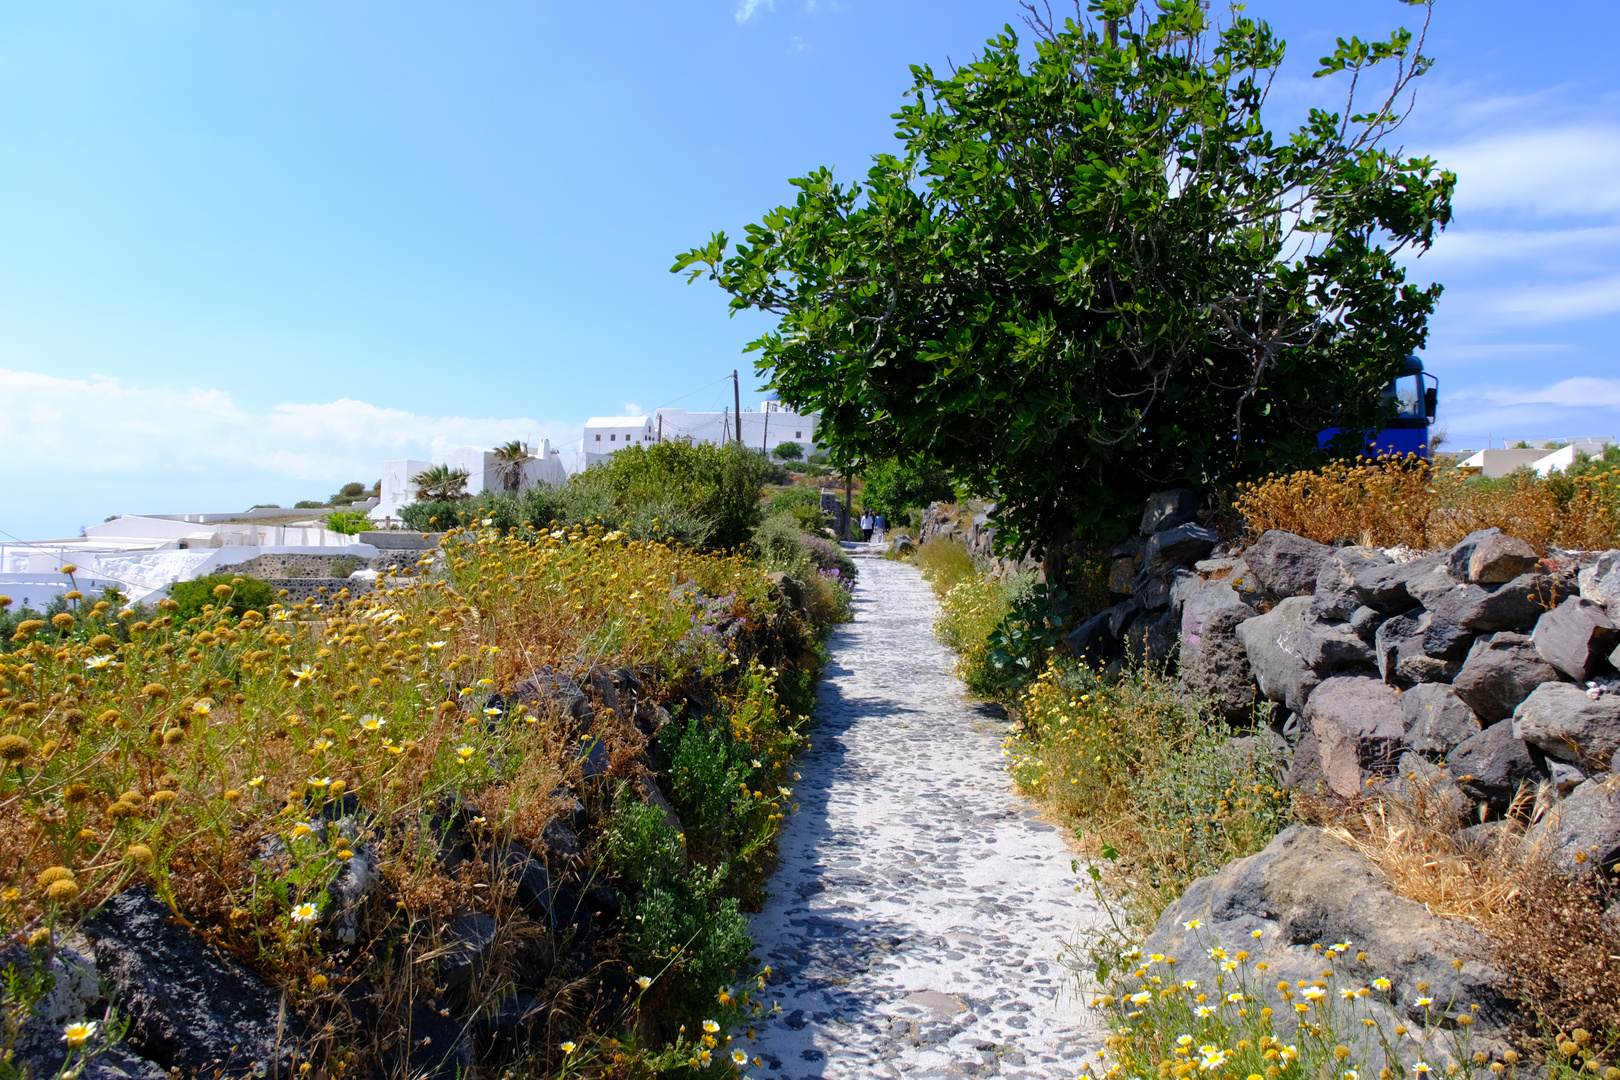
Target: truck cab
point(1416, 394)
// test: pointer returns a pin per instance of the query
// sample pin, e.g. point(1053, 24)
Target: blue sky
point(250, 250)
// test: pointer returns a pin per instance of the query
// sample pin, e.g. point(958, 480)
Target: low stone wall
point(969, 524)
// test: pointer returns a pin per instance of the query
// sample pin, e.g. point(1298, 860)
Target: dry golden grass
point(1391, 501)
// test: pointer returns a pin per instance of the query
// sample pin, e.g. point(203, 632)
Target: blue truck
point(1417, 395)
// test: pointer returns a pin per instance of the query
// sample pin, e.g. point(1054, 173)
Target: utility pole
point(736, 400)
point(766, 438)
point(660, 427)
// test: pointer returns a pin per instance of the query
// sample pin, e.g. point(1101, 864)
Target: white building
point(765, 429)
point(1540, 456)
point(482, 469)
point(142, 555)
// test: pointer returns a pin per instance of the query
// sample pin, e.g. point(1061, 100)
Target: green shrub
point(349, 522)
point(348, 493)
point(944, 562)
point(1136, 765)
point(893, 488)
point(434, 516)
point(788, 451)
point(968, 613)
point(247, 594)
point(344, 565)
point(308, 504)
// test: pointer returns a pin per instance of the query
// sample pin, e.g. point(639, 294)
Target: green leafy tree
point(789, 451)
point(894, 487)
point(439, 483)
point(1098, 273)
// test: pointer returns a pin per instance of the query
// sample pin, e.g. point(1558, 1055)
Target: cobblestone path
point(921, 905)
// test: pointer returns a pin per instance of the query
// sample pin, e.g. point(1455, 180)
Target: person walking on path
point(879, 528)
point(866, 526)
point(917, 917)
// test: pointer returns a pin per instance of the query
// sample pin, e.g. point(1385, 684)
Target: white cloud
point(1559, 248)
point(1547, 303)
point(85, 427)
point(632, 409)
point(1570, 170)
point(1579, 406)
point(746, 9)
point(1578, 392)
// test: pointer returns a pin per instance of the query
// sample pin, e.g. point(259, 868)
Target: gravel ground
point(921, 906)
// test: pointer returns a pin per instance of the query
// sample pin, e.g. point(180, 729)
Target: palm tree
point(440, 482)
point(510, 461)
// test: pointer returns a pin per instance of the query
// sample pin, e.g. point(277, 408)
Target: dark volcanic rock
point(1402, 661)
point(1308, 891)
point(437, 1046)
point(1384, 587)
point(1582, 832)
point(1568, 724)
point(1273, 642)
point(1355, 724)
point(189, 1008)
point(1437, 720)
point(1093, 643)
point(1181, 544)
point(1576, 637)
point(1167, 509)
point(1500, 672)
point(1336, 596)
point(1286, 564)
point(1490, 557)
point(1492, 765)
point(1600, 582)
point(1218, 667)
point(1153, 640)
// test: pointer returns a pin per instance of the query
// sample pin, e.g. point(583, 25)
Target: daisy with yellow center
point(76, 1034)
point(304, 913)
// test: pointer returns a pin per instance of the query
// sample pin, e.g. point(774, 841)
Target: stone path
point(921, 906)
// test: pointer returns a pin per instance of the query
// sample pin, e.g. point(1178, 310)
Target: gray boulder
point(1353, 726)
point(1399, 648)
point(1427, 588)
point(190, 1008)
point(1308, 891)
point(1153, 640)
point(1490, 556)
point(1285, 564)
point(1568, 724)
point(1196, 598)
point(1272, 642)
point(1384, 587)
point(1600, 582)
point(1215, 665)
point(1365, 621)
point(1514, 606)
point(1445, 638)
point(1093, 642)
point(1581, 834)
point(1576, 637)
point(1501, 670)
point(1167, 509)
point(1437, 720)
point(1335, 591)
point(1180, 545)
point(1492, 766)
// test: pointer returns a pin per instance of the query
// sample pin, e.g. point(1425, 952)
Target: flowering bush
point(1344, 1025)
point(1136, 769)
point(238, 762)
point(1389, 501)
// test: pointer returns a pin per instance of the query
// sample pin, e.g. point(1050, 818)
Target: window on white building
point(599, 438)
point(798, 434)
